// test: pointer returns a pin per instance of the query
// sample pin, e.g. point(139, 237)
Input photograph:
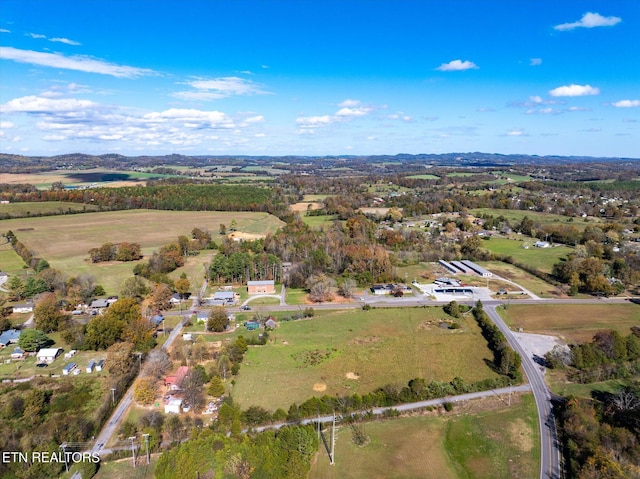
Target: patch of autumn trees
point(115, 252)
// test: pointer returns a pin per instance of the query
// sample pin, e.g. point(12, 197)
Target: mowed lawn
point(10, 262)
point(495, 444)
point(348, 352)
point(64, 241)
point(540, 258)
point(575, 323)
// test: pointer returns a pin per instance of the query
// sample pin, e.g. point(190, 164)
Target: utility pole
point(509, 394)
point(113, 396)
point(64, 453)
point(133, 450)
point(146, 444)
point(333, 441)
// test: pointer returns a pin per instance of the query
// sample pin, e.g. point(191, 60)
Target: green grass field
point(572, 322)
point(380, 346)
point(424, 177)
point(319, 220)
point(65, 240)
point(524, 252)
point(500, 443)
point(10, 262)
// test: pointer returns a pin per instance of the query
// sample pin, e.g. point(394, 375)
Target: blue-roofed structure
point(9, 336)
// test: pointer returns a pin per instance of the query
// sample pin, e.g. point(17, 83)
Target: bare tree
point(157, 363)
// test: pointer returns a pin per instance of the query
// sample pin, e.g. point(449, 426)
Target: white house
point(173, 406)
point(541, 244)
point(23, 308)
point(48, 355)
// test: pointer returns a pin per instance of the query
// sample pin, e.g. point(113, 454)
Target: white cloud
point(534, 62)
point(626, 104)
point(4, 30)
point(590, 20)
point(348, 103)
point(574, 90)
point(217, 88)
point(255, 119)
point(314, 121)
point(35, 35)
point(457, 65)
point(516, 132)
point(78, 63)
point(6, 124)
point(361, 111)
point(260, 135)
point(40, 105)
point(66, 41)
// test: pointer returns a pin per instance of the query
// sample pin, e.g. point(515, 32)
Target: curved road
point(549, 448)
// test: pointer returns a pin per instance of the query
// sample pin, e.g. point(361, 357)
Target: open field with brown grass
point(33, 208)
point(574, 323)
point(64, 241)
point(102, 176)
point(494, 443)
point(521, 277)
point(325, 354)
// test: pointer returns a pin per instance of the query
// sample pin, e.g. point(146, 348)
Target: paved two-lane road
point(549, 448)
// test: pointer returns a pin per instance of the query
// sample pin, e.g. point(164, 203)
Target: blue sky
point(310, 77)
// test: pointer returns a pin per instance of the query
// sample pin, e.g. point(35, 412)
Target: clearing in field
point(574, 323)
point(497, 443)
point(373, 348)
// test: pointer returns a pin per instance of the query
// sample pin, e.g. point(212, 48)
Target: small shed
point(91, 366)
point(17, 354)
point(100, 365)
point(48, 355)
point(173, 406)
point(271, 323)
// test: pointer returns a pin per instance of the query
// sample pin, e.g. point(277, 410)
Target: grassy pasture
point(380, 346)
point(501, 443)
point(541, 258)
point(424, 177)
point(65, 240)
point(516, 216)
point(572, 322)
point(319, 221)
point(10, 262)
point(43, 208)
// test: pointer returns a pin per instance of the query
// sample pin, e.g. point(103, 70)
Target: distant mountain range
point(19, 163)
